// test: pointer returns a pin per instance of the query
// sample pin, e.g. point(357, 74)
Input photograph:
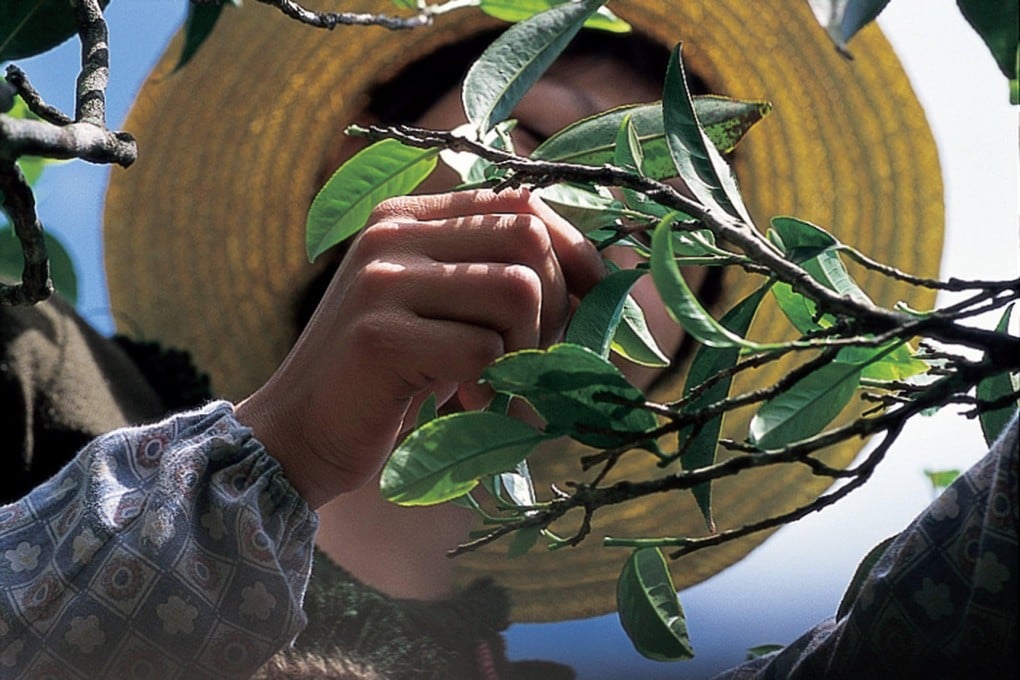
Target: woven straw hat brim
point(205, 245)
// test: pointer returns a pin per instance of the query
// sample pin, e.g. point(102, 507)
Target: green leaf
point(997, 24)
point(519, 10)
point(62, 272)
point(29, 27)
point(634, 341)
point(995, 387)
point(446, 457)
point(680, 301)
point(813, 401)
point(629, 155)
point(799, 309)
point(587, 210)
point(199, 26)
point(649, 609)
point(577, 392)
point(726, 120)
point(707, 362)
point(343, 205)
point(592, 140)
point(599, 313)
point(697, 160)
point(898, 365)
point(807, 407)
point(515, 61)
point(800, 240)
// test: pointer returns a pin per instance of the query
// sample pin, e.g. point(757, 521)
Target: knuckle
point(522, 286)
point(378, 238)
point(529, 232)
point(377, 278)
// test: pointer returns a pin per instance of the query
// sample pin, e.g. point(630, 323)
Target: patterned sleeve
point(166, 551)
point(941, 602)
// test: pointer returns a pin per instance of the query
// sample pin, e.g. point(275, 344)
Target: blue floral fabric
point(175, 550)
point(941, 602)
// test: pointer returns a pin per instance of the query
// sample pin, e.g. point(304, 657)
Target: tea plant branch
point(591, 497)
point(868, 316)
point(330, 20)
point(951, 284)
point(56, 135)
point(19, 81)
point(18, 202)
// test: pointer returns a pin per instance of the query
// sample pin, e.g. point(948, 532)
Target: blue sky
point(781, 588)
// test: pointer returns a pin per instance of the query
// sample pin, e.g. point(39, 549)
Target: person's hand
point(433, 290)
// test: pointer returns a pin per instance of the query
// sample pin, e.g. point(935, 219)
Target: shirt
point(172, 550)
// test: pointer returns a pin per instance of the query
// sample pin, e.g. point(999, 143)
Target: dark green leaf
point(697, 160)
point(592, 141)
point(813, 401)
point(599, 313)
point(343, 205)
point(726, 120)
point(199, 26)
point(680, 300)
point(996, 387)
point(62, 272)
point(519, 10)
point(29, 27)
point(997, 23)
point(515, 61)
point(842, 19)
point(576, 391)
point(446, 457)
point(707, 362)
point(649, 609)
point(807, 407)
point(800, 240)
point(861, 575)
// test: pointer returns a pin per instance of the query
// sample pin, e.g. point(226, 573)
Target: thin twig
point(330, 20)
point(17, 201)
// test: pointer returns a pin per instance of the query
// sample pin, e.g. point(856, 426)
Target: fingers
point(506, 299)
point(581, 264)
point(484, 227)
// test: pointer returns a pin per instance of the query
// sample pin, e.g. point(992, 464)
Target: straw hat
point(204, 234)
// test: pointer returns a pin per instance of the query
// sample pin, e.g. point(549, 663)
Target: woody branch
point(56, 135)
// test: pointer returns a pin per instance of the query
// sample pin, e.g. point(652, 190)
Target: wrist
point(314, 478)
